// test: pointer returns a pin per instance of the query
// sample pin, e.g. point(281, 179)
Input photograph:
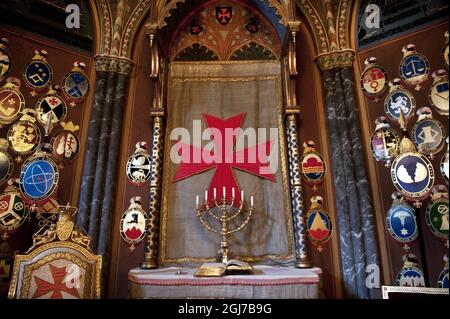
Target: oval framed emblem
point(384, 143)
point(318, 223)
point(399, 100)
point(413, 175)
point(374, 79)
point(139, 167)
point(12, 102)
point(319, 226)
point(6, 163)
point(428, 135)
point(133, 225)
point(444, 166)
point(436, 216)
point(443, 279)
point(438, 95)
point(410, 277)
point(65, 146)
point(401, 223)
point(76, 84)
point(13, 210)
point(38, 178)
point(51, 108)
point(444, 54)
point(414, 67)
point(24, 137)
point(38, 75)
point(5, 58)
point(312, 165)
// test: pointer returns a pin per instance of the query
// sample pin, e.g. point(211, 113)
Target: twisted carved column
point(292, 111)
point(298, 211)
point(152, 241)
point(157, 113)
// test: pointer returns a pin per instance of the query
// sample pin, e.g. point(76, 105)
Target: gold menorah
point(227, 215)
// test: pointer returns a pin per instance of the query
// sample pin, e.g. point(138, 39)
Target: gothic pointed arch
point(246, 26)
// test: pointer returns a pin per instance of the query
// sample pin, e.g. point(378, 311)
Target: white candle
point(251, 201)
point(197, 200)
point(224, 192)
point(232, 192)
point(242, 196)
point(215, 193)
point(206, 196)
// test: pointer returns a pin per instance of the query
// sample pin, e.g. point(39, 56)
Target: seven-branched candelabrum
point(229, 210)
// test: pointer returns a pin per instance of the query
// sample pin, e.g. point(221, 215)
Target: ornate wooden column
point(157, 113)
point(292, 111)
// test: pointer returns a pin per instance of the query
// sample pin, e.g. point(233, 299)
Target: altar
point(266, 282)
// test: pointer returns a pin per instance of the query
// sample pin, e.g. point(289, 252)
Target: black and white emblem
point(139, 165)
point(51, 109)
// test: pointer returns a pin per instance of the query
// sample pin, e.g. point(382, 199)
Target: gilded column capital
point(110, 63)
point(294, 26)
point(335, 59)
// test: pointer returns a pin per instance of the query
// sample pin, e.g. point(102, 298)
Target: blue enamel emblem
point(38, 179)
point(399, 101)
point(38, 74)
point(413, 66)
point(401, 223)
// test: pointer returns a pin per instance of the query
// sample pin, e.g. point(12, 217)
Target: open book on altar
point(233, 266)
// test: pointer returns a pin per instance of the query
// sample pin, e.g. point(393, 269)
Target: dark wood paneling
point(137, 127)
point(429, 42)
point(21, 47)
point(312, 127)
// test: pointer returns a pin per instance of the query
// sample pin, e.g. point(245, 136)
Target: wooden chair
point(59, 265)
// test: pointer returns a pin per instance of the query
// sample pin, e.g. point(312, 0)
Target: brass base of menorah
point(149, 265)
point(303, 263)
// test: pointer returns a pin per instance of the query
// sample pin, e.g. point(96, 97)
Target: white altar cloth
point(266, 282)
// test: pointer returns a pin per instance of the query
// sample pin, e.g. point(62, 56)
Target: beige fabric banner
point(223, 90)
